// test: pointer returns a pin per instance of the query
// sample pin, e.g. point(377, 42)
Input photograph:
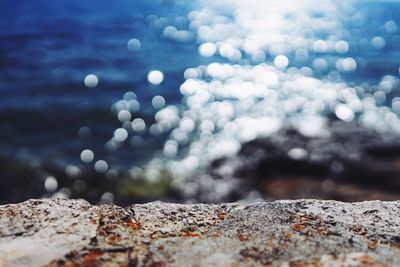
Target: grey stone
point(56, 232)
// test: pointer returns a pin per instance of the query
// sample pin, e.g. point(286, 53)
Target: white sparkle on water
point(346, 64)
point(320, 64)
point(281, 61)
point(120, 134)
point(344, 113)
point(124, 115)
point(378, 42)
point(284, 66)
point(134, 45)
point(155, 77)
point(101, 166)
point(158, 102)
point(320, 46)
point(91, 81)
point(391, 26)
point(341, 47)
point(87, 155)
point(130, 96)
point(138, 125)
point(50, 184)
point(72, 171)
point(207, 49)
point(297, 153)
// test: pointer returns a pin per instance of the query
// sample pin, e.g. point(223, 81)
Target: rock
point(351, 163)
point(57, 232)
point(347, 163)
point(349, 152)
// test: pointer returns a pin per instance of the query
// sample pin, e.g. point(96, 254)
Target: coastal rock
point(57, 232)
point(351, 163)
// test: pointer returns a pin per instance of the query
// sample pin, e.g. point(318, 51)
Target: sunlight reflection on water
point(273, 64)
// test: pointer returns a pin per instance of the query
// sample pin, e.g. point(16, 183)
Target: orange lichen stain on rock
point(10, 213)
point(306, 263)
point(114, 238)
point(93, 221)
point(359, 229)
point(221, 215)
point(372, 245)
point(216, 234)
point(190, 234)
point(287, 234)
point(243, 237)
point(304, 218)
point(297, 227)
point(69, 264)
point(323, 231)
point(91, 257)
point(368, 261)
point(160, 247)
point(134, 225)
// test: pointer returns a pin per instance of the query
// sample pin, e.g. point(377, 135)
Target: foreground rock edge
point(57, 232)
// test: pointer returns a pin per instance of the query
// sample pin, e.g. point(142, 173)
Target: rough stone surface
point(58, 232)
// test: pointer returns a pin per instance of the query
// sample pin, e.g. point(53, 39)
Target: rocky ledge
point(56, 232)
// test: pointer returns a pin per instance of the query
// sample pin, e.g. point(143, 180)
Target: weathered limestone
point(56, 232)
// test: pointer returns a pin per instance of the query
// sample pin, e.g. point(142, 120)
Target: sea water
point(155, 86)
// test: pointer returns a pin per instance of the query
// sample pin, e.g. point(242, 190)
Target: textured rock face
point(59, 232)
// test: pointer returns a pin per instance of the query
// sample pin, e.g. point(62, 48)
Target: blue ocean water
point(48, 47)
